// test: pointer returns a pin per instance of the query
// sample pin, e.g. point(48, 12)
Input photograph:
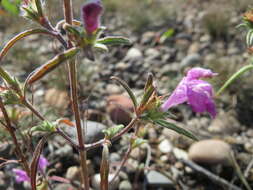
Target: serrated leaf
point(111, 40)
point(175, 128)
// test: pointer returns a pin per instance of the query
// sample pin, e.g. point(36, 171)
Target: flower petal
point(21, 175)
point(200, 94)
point(178, 96)
point(91, 13)
point(197, 73)
point(43, 163)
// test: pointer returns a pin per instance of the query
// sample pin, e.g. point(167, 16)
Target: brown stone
point(119, 108)
point(210, 152)
point(57, 98)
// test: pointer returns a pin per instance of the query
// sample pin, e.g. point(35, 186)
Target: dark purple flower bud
point(91, 13)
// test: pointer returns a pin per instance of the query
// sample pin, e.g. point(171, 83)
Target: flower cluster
point(197, 93)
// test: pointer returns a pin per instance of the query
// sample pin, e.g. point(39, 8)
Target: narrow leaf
point(127, 88)
point(18, 37)
point(175, 128)
point(111, 40)
point(51, 65)
point(104, 168)
point(35, 159)
point(234, 77)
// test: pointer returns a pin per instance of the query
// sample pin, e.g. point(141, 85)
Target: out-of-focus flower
point(21, 175)
point(248, 16)
point(43, 163)
point(91, 13)
point(197, 93)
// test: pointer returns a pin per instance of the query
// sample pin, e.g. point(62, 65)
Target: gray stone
point(125, 185)
point(156, 179)
point(190, 60)
point(152, 53)
point(133, 54)
point(93, 131)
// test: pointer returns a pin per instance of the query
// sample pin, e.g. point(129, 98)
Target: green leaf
point(175, 128)
point(10, 7)
point(51, 65)
point(112, 131)
point(111, 40)
point(46, 126)
point(234, 77)
point(169, 33)
point(138, 142)
point(101, 47)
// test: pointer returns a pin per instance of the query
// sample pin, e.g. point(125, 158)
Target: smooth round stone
point(210, 152)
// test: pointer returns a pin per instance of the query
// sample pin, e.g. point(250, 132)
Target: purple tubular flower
point(21, 175)
point(197, 93)
point(43, 163)
point(91, 13)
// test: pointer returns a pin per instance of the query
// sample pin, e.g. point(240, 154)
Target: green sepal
point(46, 126)
point(109, 133)
point(175, 128)
point(114, 40)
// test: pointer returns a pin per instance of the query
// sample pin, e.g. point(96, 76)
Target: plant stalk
point(68, 14)
point(11, 130)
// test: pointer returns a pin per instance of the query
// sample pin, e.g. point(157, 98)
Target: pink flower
point(43, 163)
point(21, 175)
point(91, 13)
point(197, 93)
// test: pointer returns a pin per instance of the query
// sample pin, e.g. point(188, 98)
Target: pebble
point(73, 173)
point(57, 98)
point(190, 60)
point(225, 123)
point(133, 54)
point(210, 152)
point(157, 180)
point(118, 107)
point(93, 131)
point(165, 146)
point(125, 185)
